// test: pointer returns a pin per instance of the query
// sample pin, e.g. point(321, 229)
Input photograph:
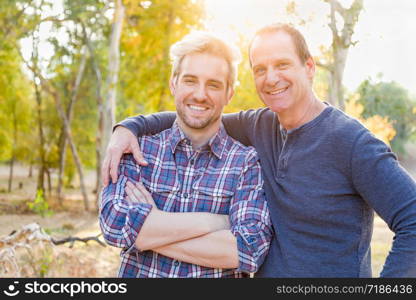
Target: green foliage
point(149, 30)
point(321, 84)
point(389, 99)
point(15, 103)
point(245, 96)
point(45, 262)
point(40, 206)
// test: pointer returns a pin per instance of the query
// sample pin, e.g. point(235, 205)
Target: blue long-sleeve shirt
point(323, 182)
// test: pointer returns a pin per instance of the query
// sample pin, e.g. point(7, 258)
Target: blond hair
point(205, 42)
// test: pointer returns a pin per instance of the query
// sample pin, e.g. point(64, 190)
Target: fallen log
point(33, 232)
point(29, 249)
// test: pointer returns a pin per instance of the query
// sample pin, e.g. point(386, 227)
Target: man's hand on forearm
point(162, 228)
point(122, 141)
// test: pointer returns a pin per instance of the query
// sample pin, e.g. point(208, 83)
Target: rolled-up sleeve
point(121, 221)
point(250, 218)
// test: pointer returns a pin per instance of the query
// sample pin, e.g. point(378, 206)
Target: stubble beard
point(195, 123)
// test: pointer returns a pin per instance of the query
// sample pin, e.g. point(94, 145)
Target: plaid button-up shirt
point(222, 178)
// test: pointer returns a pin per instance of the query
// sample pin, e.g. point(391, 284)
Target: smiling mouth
point(277, 92)
point(197, 107)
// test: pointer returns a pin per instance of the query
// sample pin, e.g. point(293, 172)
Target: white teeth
point(199, 108)
point(278, 91)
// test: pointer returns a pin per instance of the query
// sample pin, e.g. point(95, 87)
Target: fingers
point(137, 193)
point(115, 161)
point(105, 171)
point(145, 193)
point(137, 153)
point(134, 193)
point(131, 198)
point(120, 142)
point(110, 165)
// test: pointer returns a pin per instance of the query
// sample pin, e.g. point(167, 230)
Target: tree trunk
point(36, 78)
point(337, 74)
point(98, 141)
point(62, 154)
point(73, 148)
point(30, 170)
point(112, 77)
point(341, 42)
point(41, 183)
point(48, 176)
point(13, 149)
point(9, 188)
point(64, 142)
point(64, 119)
point(98, 94)
point(107, 108)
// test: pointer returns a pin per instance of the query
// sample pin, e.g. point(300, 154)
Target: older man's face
point(282, 81)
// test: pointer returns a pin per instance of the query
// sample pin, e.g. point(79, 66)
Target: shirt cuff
point(246, 245)
point(135, 219)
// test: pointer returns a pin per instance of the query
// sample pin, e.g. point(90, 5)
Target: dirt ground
point(83, 259)
point(94, 260)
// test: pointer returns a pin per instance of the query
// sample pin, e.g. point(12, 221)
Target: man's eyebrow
point(283, 60)
point(256, 66)
point(188, 76)
point(276, 61)
point(215, 81)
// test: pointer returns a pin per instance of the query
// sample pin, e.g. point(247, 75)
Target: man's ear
point(230, 93)
point(172, 85)
point(310, 67)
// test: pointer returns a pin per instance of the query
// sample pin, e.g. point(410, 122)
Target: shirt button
point(192, 161)
point(185, 195)
point(176, 263)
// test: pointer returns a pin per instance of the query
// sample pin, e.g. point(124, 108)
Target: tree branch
point(338, 7)
point(333, 23)
point(72, 240)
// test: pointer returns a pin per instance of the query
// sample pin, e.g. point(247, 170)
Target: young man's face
point(282, 81)
point(200, 90)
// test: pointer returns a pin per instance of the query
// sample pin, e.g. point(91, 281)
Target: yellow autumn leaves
point(380, 126)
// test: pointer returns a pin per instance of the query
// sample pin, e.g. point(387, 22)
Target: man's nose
point(272, 77)
point(200, 93)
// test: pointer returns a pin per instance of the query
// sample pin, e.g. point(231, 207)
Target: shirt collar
point(216, 144)
point(176, 136)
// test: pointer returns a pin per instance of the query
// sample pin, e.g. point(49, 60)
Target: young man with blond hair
point(197, 209)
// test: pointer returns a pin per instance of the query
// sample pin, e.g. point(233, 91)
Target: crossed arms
point(131, 220)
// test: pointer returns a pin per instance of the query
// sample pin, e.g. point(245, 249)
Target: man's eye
point(214, 85)
point(283, 65)
point(259, 71)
